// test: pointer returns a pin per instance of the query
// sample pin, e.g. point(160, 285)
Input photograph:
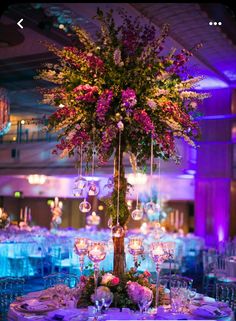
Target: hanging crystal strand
point(118, 183)
point(137, 214)
point(81, 183)
point(117, 230)
point(93, 189)
point(150, 207)
point(84, 206)
point(158, 205)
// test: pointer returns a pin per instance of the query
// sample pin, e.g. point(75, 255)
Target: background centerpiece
point(118, 94)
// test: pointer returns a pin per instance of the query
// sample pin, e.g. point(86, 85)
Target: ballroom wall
point(214, 182)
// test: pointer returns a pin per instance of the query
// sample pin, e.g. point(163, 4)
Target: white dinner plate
point(203, 312)
point(34, 306)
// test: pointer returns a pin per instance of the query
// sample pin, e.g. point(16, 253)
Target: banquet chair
point(36, 259)
point(209, 279)
point(10, 289)
point(176, 281)
point(226, 292)
point(17, 257)
point(68, 279)
point(61, 258)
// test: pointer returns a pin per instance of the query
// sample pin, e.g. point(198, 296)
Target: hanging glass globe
point(118, 231)
point(85, 206)
point(93, 189)
point(78, 192)
point(80, 183)
point(150, 208)
point(108, 188)
point(137, 214)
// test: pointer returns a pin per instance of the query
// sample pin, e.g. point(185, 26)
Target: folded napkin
point(208, 311)
point(208, 299)
point(66, 315)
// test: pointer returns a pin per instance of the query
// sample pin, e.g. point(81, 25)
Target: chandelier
point(36, 179)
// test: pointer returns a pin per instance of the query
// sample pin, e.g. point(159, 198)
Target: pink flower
point(147, 274)
point(144, 120)
point(107, 277)
point(103, 104)
point(115, 281)
point(86, 93)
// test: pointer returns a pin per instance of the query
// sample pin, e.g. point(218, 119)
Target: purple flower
point(107, 137)
point(129, 100)
point(103, 104)
point(144, 120)
point(138, 293)
point(117, 56)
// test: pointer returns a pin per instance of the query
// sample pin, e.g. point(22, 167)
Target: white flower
point(64, 153)
point(151, 103)
point(107, 277)
point(193, 104)
point(120, 125)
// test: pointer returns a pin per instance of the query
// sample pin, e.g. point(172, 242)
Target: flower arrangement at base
point(121, 79)
point(126, 291)
point(4, 219)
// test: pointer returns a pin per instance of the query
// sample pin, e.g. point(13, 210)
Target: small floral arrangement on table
point(125, 290)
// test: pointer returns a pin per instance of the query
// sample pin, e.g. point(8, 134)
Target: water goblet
point(99, 303)
point(145, 303)
point(107, 301)
point(81, 249)
point(96, 253)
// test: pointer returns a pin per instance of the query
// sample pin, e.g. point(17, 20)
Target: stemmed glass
point(145, 303)
point(136, 248)
point(96, 253)
point(158, 255)
point(192, 292)
point(107, 301)
point(81, 249)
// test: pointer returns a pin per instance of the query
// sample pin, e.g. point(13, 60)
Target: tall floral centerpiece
point(120, 85)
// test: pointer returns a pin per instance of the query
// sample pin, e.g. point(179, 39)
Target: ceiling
point(22, 52)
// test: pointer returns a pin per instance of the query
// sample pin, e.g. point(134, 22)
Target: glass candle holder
point(81, 249)
point(96, 253)
point(135, 247)
point(158, 255)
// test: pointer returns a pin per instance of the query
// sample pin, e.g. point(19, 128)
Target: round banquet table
point(87, 314)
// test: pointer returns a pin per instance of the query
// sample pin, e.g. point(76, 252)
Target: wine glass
point(145, 303)
point(107, 301)
point(192, 294)
point(99, 303)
